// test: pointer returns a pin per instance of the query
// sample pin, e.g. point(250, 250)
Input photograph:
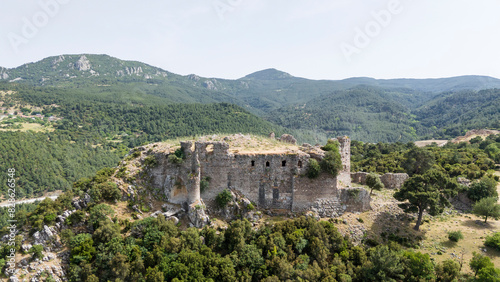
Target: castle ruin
point(274, 181)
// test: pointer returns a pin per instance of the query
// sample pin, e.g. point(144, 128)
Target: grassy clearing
point(31, 126)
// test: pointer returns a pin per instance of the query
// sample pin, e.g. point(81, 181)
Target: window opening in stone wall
point(299, 164)
point(210, 148)
point(283, 163)
point(267, 164)
point(253, 163)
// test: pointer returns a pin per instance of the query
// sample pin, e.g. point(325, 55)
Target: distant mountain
point(366, 108)
point(452, 113)
point(435, 85)
point(364, 113)
point(268, 74)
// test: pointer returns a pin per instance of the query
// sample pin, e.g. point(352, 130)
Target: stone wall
point(271, 181)
point(390, 180)
point(394, 180)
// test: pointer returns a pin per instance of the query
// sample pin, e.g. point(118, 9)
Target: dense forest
point(93, 132)
point(471, 161)
point(107, 246)
point(366, 109)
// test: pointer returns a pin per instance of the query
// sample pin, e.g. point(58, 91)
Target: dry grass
point(424, 143)
point(31, 126)
point(238, 143)
point(433, 232)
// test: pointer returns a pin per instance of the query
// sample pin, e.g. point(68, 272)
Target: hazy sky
point(322, 39)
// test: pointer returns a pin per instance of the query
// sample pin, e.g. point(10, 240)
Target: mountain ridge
point(265, 74)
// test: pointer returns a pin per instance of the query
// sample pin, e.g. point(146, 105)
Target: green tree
point(154, 275)
point(484, 188)
point(385, 265)
point(487, 207)
point(107, 230)
point(418, 267)
point(427, 192)
point(418, 161)
point(447, 271)
point(100, 213)
point(489, 274)
point(373, 181)
point(119, 266)
point(479, 261)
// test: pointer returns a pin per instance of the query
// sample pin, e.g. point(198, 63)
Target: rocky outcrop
point(83, 64)
point(209, 85)
point(197, 215)
point(82, 203)
point(193, 77)
point(239, 207)
point(57, 60)
point(287, 138)
point(43, 237)
point(3, 73)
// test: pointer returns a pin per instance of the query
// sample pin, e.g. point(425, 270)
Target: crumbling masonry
point(271, 181)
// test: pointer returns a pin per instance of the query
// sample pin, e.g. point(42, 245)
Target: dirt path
point(26, 201)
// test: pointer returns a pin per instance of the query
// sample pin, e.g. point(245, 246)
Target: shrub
point(180, 153)
point(109, 191)
point(204, 184)
point(493, 241)
point(484, 188)
point(313, 170)
point(250, 207)
point(36, 251)
point(223, 198)
point(447, 270)
point(455, 236)
point(174, 159)
point(150, 161)
point(332, 162)
point(76, 217)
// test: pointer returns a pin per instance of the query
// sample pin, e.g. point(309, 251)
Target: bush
point(447, 270)
point(76, 217)
point(313, 170)
point(484, 188)
point(223, 198)
point(493, 241)
point(332, 162)
point(455, 236)
point(204, 184)
point(109, 191)
point(174, 159)
point(150, 161)
point(36, 251)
